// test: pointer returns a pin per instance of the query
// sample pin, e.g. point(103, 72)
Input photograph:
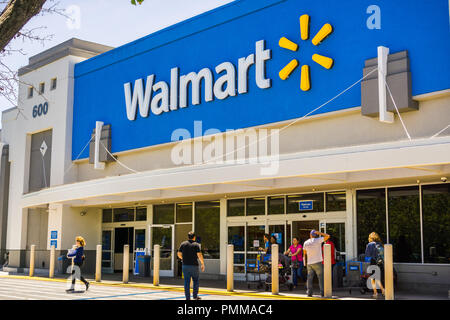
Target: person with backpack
point(77, 254)
point(375, 255)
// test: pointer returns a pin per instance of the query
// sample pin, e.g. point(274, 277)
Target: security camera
point(444, 179)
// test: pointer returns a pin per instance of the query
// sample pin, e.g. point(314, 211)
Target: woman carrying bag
point(295, 251)
point(77, 256)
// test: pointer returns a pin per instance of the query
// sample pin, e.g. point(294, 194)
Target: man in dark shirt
point(189, 253)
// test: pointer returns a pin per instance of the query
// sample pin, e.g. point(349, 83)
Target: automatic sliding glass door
point(164, 236)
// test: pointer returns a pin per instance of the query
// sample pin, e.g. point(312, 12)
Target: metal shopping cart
point(253, 271)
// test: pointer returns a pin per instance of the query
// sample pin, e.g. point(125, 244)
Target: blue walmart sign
point(228, 67)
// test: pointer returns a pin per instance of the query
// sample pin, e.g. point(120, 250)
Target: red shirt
point(333, 252)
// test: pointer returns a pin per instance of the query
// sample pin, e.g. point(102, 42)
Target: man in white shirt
point(312, 251)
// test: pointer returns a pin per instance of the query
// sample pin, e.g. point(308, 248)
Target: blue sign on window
point(305, 205)
point(279, 237)
point(54, 235)
point(54, 243)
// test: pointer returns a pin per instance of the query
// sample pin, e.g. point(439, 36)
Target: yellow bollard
point(126, 262)
point(275, 278)
point(98, 264)
point(51, 271)
point(230, 263)
point(388, 272)
point(32, 253)
point(327, 282)
point(156, 261)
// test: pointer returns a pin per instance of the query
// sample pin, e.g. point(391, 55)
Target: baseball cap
point(314, 233)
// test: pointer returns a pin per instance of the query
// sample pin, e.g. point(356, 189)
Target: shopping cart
point(356, 276)
point(253, 272)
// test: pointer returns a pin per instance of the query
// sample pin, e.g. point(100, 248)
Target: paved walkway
point(111, 285)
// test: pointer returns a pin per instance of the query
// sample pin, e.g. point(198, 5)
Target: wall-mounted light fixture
point(83, 213)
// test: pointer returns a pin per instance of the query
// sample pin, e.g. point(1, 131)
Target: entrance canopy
point(356, 166)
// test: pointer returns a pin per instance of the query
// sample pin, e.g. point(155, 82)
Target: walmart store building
point(300, 76)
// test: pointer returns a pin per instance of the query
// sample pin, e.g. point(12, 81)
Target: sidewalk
point(219, 287)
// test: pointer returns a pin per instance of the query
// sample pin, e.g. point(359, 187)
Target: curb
point(172, 288)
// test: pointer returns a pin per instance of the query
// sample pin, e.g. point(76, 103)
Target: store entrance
point(122, 236)
point(302, 229)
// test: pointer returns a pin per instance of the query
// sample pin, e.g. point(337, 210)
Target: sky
point(109, 22)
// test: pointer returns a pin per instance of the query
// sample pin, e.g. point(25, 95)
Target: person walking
point(375, 255)
point(312, 250)
point(77, 254)
point(295, 251)
point(333, 251)
point(189, 253)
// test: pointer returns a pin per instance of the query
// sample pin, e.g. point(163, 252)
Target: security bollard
point(156, 258)
point(327, 281)
point(126, 262)
point(32, 252)
point(98, 264)
point(275, 278)
point(51, 271)
point(388, 272)
point(230, 263)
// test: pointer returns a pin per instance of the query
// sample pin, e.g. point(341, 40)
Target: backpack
point(380, 254)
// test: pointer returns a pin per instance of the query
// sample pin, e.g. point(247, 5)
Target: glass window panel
point(163, 237)
point(184, 212)
point(256, 206)
point(123, 214)
point(337, 235)
point(141, 214)
point(106, 255)
point(239, 258)
point(236, 237)
point(107, 215)
point(370, 216)
point(207, 227)
point(255, 233)
point(235, 207)
point(275, 205)
point(139, 239)
point(106, 240)
point(436, 223)
point(163, 214)
point(106, 264)
point(293, 202)
point(404, 223)
point(336, 201)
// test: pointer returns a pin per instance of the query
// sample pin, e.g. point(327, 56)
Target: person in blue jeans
point(190, 253)
point(312, 258)
point(295, 251)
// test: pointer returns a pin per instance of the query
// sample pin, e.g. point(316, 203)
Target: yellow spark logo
point(305, 82)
